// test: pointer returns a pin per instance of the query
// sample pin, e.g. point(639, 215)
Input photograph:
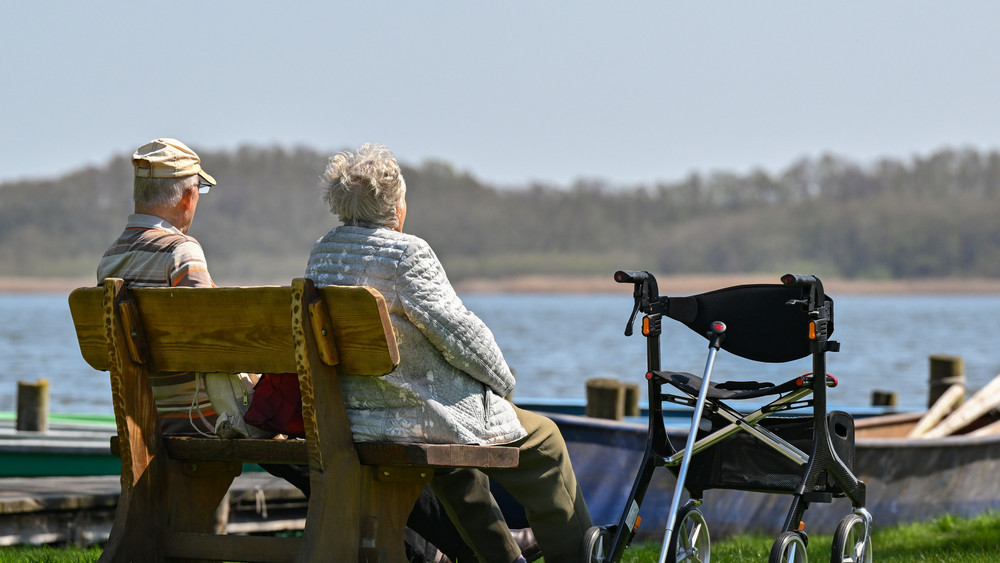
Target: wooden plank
point(362, 330)
point(189, 448)
point(250, 450)
point(224, 327)
point(334, 471)
point(253, 315)
point(981, 403)
point(326, 347)
point(436, 455)
point(940, 409)
point(235, 329)
point(217, 329)
point(231, 547)
point(88, 318)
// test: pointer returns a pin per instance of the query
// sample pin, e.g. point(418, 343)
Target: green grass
point(947, 539)
point(48, 554)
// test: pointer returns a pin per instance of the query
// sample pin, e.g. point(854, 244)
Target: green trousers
point(543, 482)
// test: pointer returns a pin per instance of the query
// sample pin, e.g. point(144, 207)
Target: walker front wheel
point(788, 548)
point(597, 542)
point(849, 545)
point(690, 542)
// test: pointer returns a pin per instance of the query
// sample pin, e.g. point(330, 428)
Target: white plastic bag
point(230, 394)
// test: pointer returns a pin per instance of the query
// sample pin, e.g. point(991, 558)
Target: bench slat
point(231, 548)
point(237, 329)
point(369, 453)
point(436, 455)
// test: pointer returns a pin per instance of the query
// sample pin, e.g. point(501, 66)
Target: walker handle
point(797, 279)
point(630, 276)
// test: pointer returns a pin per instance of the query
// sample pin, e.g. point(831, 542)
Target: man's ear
point(188, 198)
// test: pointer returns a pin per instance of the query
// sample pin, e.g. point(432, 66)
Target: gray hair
point(364, 188)
point(156, 192)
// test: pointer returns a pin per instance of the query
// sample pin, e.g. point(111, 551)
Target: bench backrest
point(237, 329)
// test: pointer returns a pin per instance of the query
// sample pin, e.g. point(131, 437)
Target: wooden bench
point(361, 493)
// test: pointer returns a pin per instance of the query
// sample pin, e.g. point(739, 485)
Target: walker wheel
point(690, 540)
point(597, 542)
point(849, 545)
point(790, 547)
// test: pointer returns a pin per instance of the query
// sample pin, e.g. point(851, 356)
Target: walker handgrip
point(630, 276)
point(796, 279)
point(716, 333)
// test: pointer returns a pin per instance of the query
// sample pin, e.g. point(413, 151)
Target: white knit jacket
point(452, 379)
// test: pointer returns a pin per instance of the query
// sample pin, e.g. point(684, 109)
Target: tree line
point(928, 216)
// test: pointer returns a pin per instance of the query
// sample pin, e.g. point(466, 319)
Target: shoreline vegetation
point(678, 285)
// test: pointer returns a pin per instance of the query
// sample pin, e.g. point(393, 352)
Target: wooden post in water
point(945, 371)
point(883, 398)
point(33, 406)
point(631, 399)
point(605, 398)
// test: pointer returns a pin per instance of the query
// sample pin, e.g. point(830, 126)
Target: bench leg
point(196, 489)
point(138, 520)
point(372, 532)
point(167, 496)
point(388, 496)
point(332, 518)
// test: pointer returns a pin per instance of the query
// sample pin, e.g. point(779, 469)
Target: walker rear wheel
point(690, 541)
point(597, 541)
point(788, 548)
point(849, 545)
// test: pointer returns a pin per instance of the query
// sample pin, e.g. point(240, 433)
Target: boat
point(73, 445)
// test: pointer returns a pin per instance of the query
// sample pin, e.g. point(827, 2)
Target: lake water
point(556, 342)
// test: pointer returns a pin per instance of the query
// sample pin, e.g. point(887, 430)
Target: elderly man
point(155, 250)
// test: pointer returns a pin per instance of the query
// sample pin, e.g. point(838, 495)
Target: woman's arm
point(431, 304)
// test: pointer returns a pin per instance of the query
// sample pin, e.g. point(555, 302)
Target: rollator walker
point(809, 457)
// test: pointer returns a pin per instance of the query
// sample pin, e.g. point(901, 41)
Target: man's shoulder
point(170, 239)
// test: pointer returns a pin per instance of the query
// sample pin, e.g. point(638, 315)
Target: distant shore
point(689, 284)
point(679, 285)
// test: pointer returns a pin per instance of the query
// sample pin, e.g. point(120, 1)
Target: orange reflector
point(802, 526)
point(812, 330)
point(638, 520)
point(645, 326)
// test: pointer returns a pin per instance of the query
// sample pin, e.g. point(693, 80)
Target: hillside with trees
point(931, 216)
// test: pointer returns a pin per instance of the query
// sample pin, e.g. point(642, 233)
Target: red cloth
point(277, 404)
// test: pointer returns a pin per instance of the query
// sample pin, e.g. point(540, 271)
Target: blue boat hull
point(908, 480)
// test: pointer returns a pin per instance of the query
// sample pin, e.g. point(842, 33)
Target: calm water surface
point(556, 342)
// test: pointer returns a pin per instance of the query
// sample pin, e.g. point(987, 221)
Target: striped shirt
point(153, 253)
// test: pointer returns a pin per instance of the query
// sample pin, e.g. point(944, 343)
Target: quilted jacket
point(452, 379)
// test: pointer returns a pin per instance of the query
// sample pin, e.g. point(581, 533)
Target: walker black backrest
point(760, 325)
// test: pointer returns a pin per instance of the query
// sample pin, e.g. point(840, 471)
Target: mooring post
point(884, 398)
point(631, 399)
point(33, 406)
point(945, 371)
point(605, 398)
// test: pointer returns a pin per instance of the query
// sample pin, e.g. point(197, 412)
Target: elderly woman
point(452, 379)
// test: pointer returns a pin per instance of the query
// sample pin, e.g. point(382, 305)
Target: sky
point(511, 92)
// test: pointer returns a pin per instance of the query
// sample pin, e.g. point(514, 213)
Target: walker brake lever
point(638, 279)
point(631, 318)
